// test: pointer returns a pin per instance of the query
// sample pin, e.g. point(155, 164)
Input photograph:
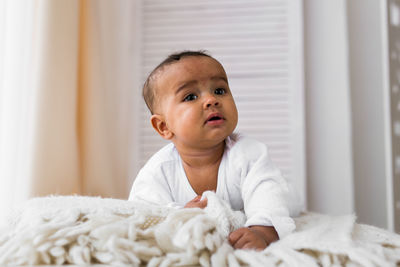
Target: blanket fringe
point(87, 230)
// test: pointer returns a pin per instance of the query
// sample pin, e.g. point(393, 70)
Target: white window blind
point(259, 42)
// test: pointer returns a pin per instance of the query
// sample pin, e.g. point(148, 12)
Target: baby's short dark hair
point(148, 87)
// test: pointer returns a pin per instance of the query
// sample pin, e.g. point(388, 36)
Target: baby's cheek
point(189, 121)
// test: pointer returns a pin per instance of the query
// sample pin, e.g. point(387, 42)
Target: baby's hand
point(253, 237)
point(197, 203)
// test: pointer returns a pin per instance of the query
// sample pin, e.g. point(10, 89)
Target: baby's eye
point(220, 91)
point(190, 97)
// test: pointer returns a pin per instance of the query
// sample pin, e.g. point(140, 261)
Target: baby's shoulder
point(245, 146)
point(165, 156)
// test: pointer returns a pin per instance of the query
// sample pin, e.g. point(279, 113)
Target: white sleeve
point(152, 188)
point(265, 193)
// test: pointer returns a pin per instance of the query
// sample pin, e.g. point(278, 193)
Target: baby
point(192, 106)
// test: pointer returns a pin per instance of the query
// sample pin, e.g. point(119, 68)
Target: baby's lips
point(214, 115)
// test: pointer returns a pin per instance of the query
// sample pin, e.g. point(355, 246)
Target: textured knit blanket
point(87, 230)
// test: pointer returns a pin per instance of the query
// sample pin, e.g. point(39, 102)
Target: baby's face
point(196, 102)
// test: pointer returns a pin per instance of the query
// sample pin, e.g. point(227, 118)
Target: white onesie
point(246, 179)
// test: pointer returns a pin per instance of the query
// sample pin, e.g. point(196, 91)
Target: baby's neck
point(200, 158)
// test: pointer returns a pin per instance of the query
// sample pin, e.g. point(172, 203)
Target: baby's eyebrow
point(219, 78)
point(186, 84)
point(193, 82)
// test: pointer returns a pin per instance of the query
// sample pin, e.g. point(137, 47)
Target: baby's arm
point(264, 192)
point(153, 189)
point(150, 188)
point(253, 237)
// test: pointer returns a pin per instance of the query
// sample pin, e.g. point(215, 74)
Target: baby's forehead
point(195, 66)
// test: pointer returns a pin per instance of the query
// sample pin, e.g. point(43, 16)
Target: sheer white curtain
point(16, 30)
point(66, 98)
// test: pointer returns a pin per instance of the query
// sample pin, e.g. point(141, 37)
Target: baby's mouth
point(215, 119)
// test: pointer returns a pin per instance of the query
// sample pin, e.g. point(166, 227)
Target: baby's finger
point(236, 235)
point(249, 245)
point(196, 199)
point(203, 203)
point(242, 242)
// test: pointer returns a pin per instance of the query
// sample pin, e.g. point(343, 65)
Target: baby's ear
point(159, 124)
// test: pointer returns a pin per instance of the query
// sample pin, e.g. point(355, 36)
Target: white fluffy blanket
point(88, 230)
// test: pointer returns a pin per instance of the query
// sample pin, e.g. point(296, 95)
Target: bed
point(78, 230)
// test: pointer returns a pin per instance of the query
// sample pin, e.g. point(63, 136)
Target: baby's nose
point(211, 101)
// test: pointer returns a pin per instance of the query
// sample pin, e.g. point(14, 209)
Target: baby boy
point(192, 106)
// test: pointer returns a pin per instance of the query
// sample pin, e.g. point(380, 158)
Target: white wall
point(328, 117)
point(347, 100)
point(369, 96)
